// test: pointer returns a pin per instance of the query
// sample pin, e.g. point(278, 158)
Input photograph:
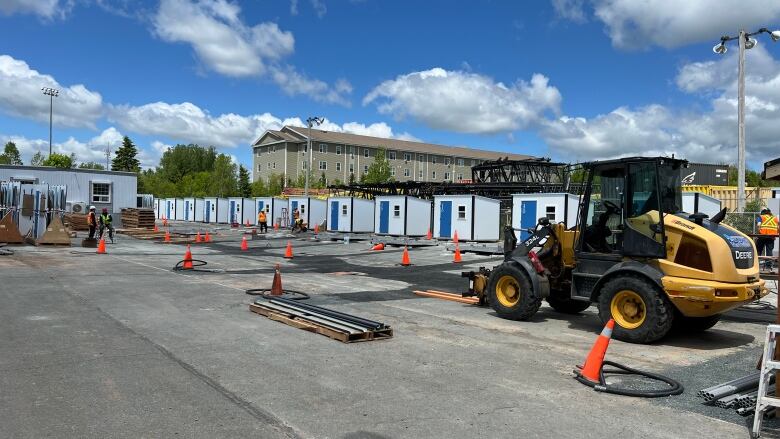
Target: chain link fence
point(745, 222)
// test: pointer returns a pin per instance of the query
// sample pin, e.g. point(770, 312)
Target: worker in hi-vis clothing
point(91, 222)
point(767, 225)
point(263, 221)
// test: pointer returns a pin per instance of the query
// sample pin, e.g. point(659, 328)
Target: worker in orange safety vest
point(262, 220)
point(767, 225)
point(91, 222)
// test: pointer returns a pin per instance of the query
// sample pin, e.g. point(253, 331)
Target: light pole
point(51, 93)
point(310, 121)
point(745, 42)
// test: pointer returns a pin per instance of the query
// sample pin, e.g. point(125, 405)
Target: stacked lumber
point(138, 218)
point(76, 221)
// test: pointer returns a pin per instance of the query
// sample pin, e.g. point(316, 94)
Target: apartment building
point(338, 155)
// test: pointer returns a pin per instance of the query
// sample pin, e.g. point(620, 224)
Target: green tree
point(224, 181)
point(181, 160)
point(58, 160)
point(125, 159)
point(91, 165)
point(259, 188)
point(275, 185)
point(37, 159)
point(194, 185)
point(10, 155)
point(244, 187)
point(378, 170)
point(351, 180)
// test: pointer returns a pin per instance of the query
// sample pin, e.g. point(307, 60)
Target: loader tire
point(695, 324)
point(641, 311)
point(510, 293)
point(567, 305)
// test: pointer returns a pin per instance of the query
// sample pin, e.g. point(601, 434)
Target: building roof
point(299, 134)
point(53, 169)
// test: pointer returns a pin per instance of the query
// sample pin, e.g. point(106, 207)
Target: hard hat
point(91, 207)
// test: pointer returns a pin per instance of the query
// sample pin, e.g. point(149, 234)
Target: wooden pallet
point(306, 325)
point(76, 221)
point(138, 218)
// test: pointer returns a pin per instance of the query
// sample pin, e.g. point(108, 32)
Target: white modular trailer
point(215, 210)
point(157, 210)
point(401, 215)
point(274, 209)
point(475, 218)
point(198, 209)
point(350, 214)
point(236, 210)
point(187, 211)
point(693, 202)
point(249, 211)
point(169, 208)
point(312, 210)
point(180, 212)
point(558, 207)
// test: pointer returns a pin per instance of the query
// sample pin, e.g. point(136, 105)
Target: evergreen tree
point(10, 155)
point(125, 159)
point(244, 187)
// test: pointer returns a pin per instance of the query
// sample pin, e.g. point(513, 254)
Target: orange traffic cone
point(428, 235)
point(276, 226)
point(208, 237)
point(156, 229)
point(244, 244)
point(405, 259)
point(455, 237)
point(187, 259)
point(165, 222)
point(276, 285)
point(379, 246)
point(167, 236)
point(101, 246)
point(591, 370)
point(246, 223)
point(198, 240)
point(316, 229)
point(288, 254)
point(456, 258)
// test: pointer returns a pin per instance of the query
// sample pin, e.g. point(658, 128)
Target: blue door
point(186, 211)
point(232, 212)
point(334, 215)
point(167, 209)
point(384, 216)
point(207, 216)
point(527, 217)
point(445, 219)
point(294, 206)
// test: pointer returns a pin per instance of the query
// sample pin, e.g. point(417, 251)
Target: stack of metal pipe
point(739, 394)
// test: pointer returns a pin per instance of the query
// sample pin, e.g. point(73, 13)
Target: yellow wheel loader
point(633, 253)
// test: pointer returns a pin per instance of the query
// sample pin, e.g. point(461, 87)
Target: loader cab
point(621, 214)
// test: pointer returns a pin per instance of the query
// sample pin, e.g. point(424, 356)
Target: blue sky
point(568, 79)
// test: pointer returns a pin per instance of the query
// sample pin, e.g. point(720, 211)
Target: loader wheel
point(567, 305)
point(641, 311)
point(510, 293)
point(695, 324)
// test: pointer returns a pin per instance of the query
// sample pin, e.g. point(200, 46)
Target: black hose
point(287, 294)
point(195, 263)
point(675, 388)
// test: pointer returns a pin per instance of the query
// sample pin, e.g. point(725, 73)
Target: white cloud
point(93, 150)
point(709, 135)
point(465, 102)
point(20, 95)
point(633, 24)
point(573, 10)
point(293, 7)
point(319, 8)
point(47, 9)
point(295, 83)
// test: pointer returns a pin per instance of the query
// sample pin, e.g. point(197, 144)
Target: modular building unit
point(157, 210)
point(475, 218)
point(693, 202)
point(187, 212)
point(199, 205)
point(312, 210)
point(236, 210)
point(249, 211)
point(180, 211)
point(557, 207)
point(211, 210)
point(275, 209)
point(350, 214)
point(401, 215)
point(169, 211)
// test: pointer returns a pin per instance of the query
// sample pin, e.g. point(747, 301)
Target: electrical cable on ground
point(675, 388)
point(195, 264)
point(288, 294)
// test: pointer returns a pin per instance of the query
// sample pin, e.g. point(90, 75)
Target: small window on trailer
point(549, 212)
point(461, 211)
point(101, 192)
point(303, 209)
point(397, 210)
point(344, 209)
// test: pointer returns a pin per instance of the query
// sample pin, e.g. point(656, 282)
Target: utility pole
point(310, 121)
point(108, 156)
point(741, 124)
point(52, 93)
